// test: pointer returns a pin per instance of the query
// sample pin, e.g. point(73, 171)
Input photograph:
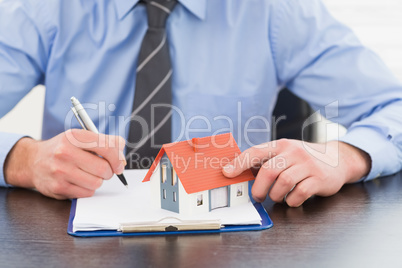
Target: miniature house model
point(186, 177)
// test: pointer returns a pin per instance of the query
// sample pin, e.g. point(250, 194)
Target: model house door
point(219, 198)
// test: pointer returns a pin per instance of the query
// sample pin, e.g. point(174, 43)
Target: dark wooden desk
point(361, 226)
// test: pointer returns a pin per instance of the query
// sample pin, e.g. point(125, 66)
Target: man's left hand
point(293, 170)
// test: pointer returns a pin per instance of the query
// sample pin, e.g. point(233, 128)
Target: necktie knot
point(158, 11)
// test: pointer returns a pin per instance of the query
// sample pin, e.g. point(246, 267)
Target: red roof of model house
point(198, 162)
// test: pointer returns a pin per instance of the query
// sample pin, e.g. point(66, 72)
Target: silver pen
point(82, 116)
point(87, 124)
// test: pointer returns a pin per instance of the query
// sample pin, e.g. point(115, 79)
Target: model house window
point(174, 197)
point(174, 177)
point(164, 173)
point(200, 200)
point(164, 193)
point(239, 191)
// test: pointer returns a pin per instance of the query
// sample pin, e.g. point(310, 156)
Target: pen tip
point(127, 186)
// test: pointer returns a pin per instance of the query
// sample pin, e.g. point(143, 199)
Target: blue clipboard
point(265, 224)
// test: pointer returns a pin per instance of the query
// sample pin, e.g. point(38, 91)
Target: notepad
point(113, 205)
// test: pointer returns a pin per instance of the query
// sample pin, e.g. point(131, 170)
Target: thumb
point(253, 157)
point(229, 170)
point(238, 165)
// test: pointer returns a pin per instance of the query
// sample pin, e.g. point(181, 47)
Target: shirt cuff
point(7, 142)
point(383, 153)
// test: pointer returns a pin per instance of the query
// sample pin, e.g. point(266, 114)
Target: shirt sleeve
point(322, 61)
point(23, 58)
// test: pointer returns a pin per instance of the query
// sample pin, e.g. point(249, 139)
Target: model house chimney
point(195, 142)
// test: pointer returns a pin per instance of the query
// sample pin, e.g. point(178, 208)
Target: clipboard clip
point(170, 224)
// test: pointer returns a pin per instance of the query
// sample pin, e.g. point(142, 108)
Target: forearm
point(17, 165)
point(7, 142)
point(356, 162)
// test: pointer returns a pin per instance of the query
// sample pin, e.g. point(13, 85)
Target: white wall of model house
point(239, 193)
point(189, 204)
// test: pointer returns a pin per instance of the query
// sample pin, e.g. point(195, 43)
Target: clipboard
point(266, 223)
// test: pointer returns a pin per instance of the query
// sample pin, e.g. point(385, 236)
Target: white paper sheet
point(113, 204)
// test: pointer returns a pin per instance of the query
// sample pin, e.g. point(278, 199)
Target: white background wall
point(378, 23)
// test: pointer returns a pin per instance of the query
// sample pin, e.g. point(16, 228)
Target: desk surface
point(359, 226)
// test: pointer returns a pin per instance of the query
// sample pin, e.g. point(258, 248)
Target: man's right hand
point(66, 166)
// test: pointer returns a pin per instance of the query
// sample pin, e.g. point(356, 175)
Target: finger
point(87, 139)
point(250, 158)
point(302, 191)
point(266, 176)
point(84, 179)
point(92, 164)
point(110, 149)
point(61, 175)
point(108, 146)
point(71, 191)
point(286, 180)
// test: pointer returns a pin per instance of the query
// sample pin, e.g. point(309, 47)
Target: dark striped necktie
point(150, 125)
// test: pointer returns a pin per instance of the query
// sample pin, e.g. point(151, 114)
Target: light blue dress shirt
point(230, 60)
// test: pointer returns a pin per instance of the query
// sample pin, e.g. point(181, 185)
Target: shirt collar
point(197, 7)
